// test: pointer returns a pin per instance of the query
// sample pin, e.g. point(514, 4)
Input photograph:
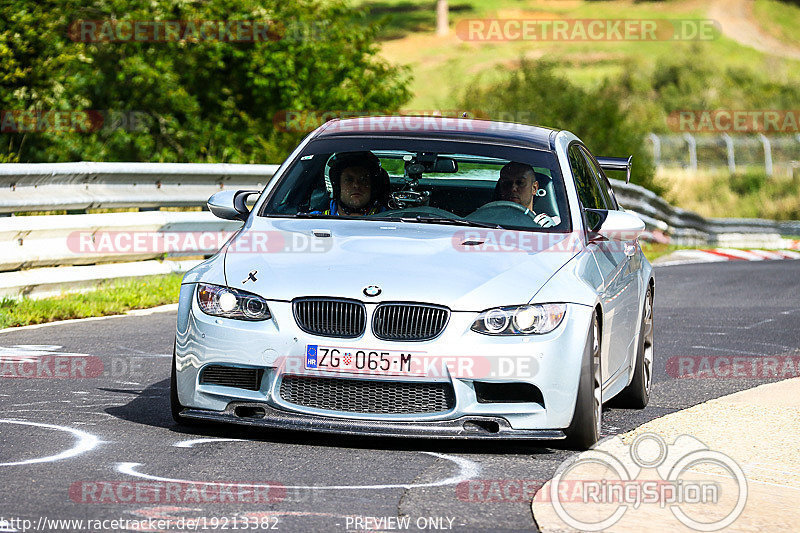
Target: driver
point(518, 184)
point(360, 185)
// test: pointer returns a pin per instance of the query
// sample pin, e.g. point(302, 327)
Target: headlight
point(231, 303)
point(520, 319)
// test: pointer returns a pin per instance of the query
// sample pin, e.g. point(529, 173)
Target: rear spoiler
point(617, 163)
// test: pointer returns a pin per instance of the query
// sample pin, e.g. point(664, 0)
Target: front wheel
point(637, 394)
point(584, 430)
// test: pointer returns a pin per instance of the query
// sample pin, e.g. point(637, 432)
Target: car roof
point(443, 128)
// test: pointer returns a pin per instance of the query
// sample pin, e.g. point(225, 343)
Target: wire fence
point(779, 154)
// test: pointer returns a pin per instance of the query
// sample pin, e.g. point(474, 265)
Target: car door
point(628, 254)
point(610, 263)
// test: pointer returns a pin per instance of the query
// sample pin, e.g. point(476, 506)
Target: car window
point(605, 187)
point(588, 191)
point(441, 182)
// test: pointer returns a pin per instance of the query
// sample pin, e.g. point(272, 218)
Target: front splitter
point(466, 427)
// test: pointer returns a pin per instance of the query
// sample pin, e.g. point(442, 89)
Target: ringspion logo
point(704, 489)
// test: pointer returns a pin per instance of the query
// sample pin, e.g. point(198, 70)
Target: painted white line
point(191, 443)
point(85, 442)
point(726, 350)
point(466, 470)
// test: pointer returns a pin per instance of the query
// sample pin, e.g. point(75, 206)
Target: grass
point(110, 298)
point(443, 66)
point(654, 250)
point(779, 19)
point(746, 194)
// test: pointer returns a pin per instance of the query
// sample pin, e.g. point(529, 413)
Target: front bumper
point(556, 358)
point(466, 427)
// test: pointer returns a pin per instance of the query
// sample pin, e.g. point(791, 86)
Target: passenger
point(518, 184)
point(360, 185)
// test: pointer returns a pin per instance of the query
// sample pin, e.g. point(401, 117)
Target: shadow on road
point(150, 407)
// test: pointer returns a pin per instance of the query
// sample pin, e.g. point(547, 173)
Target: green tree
point(207, 100)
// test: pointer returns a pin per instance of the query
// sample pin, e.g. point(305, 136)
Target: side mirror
point(230, 205)
point(620, 226)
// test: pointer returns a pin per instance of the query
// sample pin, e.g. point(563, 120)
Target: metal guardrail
point(87, 185)
point(688, 228)
point(54, 240)
point(29, 243)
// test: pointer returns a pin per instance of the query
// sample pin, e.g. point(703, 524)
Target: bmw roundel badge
point(372, 290)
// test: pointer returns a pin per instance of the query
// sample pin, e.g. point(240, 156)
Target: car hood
point(407, 261)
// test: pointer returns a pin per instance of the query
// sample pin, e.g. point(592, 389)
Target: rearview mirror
point(230, 205)
point(445, 165)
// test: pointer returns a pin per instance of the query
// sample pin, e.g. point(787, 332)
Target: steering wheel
point(504, 203)
point(504, 213)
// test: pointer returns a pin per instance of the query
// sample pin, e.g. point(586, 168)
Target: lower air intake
point(367, 396)
point(231, 376)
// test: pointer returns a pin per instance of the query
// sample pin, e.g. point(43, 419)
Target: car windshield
point(414, 180)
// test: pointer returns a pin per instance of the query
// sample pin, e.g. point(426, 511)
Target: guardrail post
point(767, 153)
point(692, 150)
point(731, 154)
point(657, 148)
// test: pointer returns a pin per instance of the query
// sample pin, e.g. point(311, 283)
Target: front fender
point(578, 282)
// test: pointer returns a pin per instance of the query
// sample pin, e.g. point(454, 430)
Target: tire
point(174, 402)
point(637, 394)
point(584, 430)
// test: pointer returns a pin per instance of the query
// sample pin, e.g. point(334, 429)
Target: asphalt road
point(113, 426)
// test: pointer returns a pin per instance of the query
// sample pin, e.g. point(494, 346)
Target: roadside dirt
point(737, 22)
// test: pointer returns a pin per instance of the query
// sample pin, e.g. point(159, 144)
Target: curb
point(763, 451)
point(717, 255)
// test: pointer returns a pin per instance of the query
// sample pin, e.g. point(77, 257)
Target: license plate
point(364, 361)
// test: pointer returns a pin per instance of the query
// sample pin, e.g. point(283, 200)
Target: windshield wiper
point(312, 215)
point(418, 218)
point(451, 221)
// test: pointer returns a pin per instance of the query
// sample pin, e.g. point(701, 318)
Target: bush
point(743, 183)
